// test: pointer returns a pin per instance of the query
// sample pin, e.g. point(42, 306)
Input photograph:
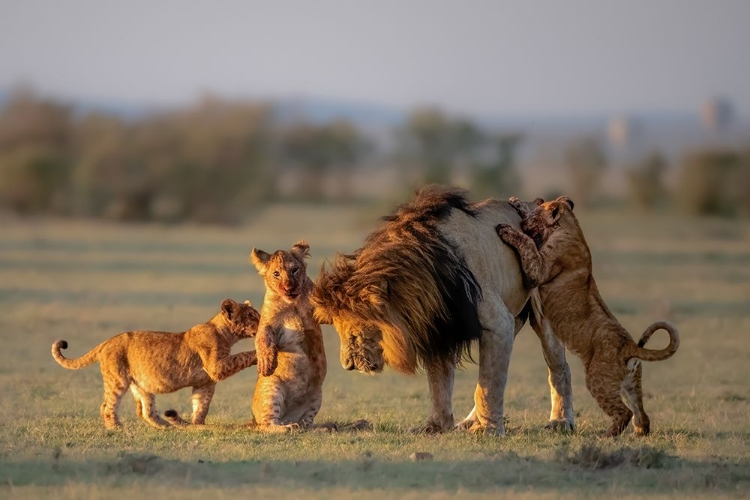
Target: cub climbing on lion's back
point(556, 258)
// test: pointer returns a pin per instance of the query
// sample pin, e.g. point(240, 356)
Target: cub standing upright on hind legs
point(161, 362)
point(555, 257)
point(291, 357)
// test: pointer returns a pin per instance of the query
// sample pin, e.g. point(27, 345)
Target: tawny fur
point(425, 285)
point(149, 363)
point(291, 355)
point(556, 258)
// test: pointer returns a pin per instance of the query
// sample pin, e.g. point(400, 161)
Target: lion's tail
point(657, 354)
point(77, 363)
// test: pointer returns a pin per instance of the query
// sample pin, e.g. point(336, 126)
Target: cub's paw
point(278, 428)
point(505, 230)
point(267, 363)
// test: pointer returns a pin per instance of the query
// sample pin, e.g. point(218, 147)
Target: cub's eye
point(276, 274)
point(295, 271)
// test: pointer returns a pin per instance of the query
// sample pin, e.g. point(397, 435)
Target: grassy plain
point(86, 281)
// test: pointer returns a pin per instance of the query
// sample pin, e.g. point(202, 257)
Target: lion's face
point(546, 218)
point(242, 318)
point(360, 347)
point(285, 272)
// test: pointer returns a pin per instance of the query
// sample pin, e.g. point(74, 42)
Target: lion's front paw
point(487, 429)
point(431, 427)
point(562, 425)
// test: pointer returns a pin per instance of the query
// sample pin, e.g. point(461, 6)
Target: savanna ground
point(85, 282)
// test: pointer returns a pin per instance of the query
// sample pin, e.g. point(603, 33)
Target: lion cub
point(555, 257)
point(159, 362)
point(291, 357)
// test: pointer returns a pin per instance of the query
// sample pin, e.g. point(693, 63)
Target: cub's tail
point(174, 418)
point(74, 364)
point(657, 354)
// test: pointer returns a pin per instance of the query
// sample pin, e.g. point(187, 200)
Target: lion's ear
point(567, 201)
point(301, 249)
point(229, 308)
point(260, 259)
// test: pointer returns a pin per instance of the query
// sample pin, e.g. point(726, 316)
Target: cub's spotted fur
point(555, 257)
point(159, 362)
point(291, 357)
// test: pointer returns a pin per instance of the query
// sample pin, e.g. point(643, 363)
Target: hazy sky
point(486, 57)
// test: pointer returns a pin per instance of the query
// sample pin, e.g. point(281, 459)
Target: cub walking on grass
point(151, 363)
point(555, 257)
point(291, 357)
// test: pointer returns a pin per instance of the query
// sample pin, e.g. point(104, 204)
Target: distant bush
point(35, 154)
point(714, 182)
point(497, 178)
point(646, 182)
point(585, 162)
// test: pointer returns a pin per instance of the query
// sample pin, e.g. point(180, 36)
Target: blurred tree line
point(216, 159)
point(212, 161)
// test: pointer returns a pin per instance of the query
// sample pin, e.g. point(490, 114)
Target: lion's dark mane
point(411, 281)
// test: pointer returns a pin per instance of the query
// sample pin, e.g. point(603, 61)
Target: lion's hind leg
point(115, 387)
point(201, 400)
point(495, 347)
point(147, 408)
point(561, 388)
point(605, 387)
point(632, 394)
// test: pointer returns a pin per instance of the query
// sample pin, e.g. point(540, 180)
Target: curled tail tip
point(170, 413)
point(61, 344)
point(660, 354)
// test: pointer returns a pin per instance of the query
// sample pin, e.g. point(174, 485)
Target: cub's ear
point(301, 249)
point(260, 259)
point(538, 201)
point(229, 308)
point(566, 200)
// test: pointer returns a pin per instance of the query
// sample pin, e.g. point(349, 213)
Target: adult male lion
point(427, 283)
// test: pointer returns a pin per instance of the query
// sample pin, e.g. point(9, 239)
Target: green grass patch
point(86, 282)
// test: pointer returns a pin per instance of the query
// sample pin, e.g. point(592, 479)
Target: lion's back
point(494, 264)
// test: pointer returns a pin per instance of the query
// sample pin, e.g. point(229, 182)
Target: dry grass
point(86, 281)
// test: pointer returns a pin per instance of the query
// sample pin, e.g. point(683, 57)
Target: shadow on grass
point(578, 471)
